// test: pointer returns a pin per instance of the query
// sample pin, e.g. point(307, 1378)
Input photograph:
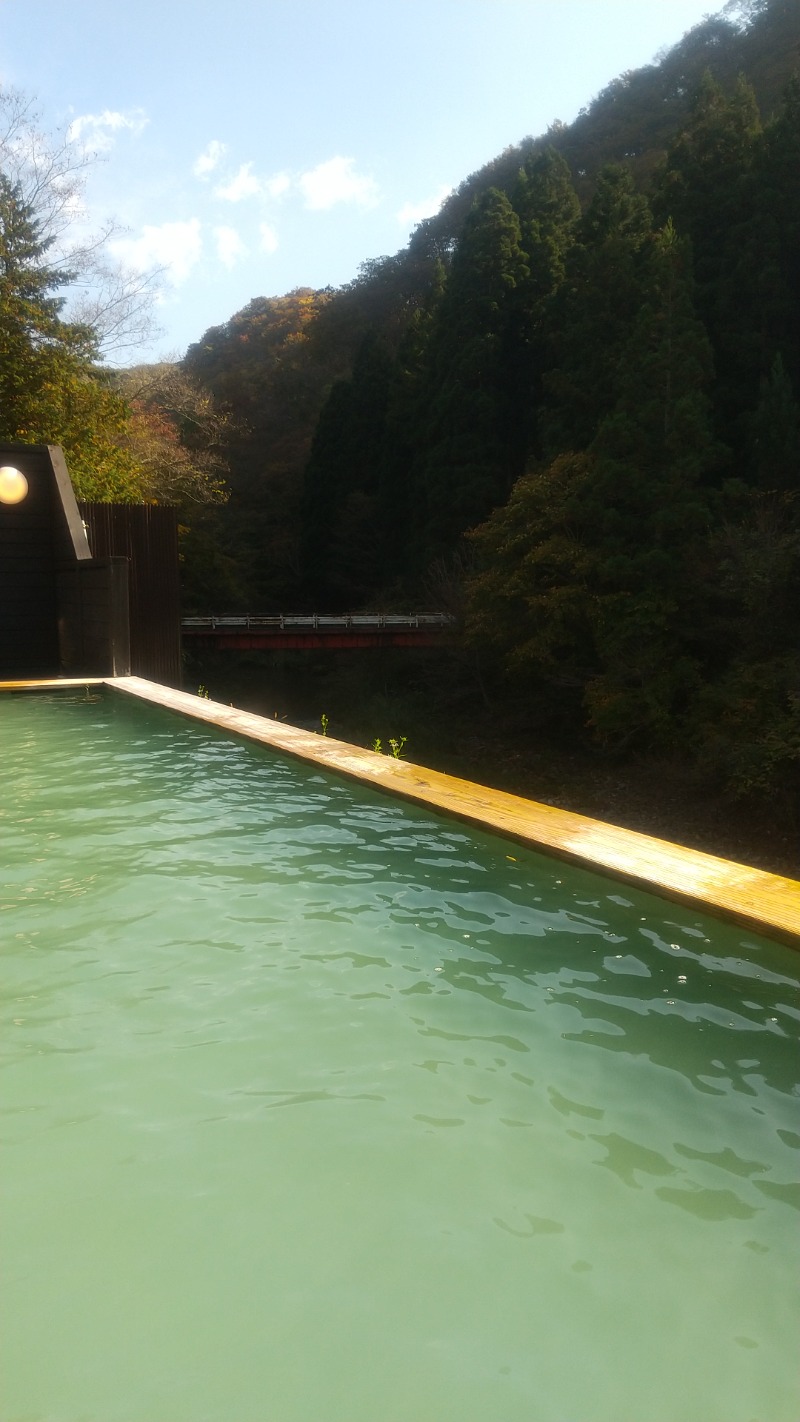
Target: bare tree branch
point(51, 171)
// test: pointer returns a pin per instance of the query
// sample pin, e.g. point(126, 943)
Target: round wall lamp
point(13, 485)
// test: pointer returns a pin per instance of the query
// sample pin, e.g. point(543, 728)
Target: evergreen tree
point(399, 510)
point(32, 338)
point(705, 186)
point(590, 574)
point(648, 512)
point(50, 392)
point(472, 439)
point(594, 313)
point(776, 217)
point(548, 208)
point(775, 433)
point(708, 189)
point(342, 551)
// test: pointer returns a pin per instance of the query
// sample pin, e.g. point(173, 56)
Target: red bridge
point(308, 631)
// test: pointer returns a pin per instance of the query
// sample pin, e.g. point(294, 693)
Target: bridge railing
point(318, 621)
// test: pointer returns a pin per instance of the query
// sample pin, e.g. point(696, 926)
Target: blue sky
point(252, 146)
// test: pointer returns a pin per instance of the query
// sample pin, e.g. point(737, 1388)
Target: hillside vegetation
point(567, 411)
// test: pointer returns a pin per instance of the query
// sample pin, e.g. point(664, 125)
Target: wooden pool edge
point(53, 684)
point(766, 903)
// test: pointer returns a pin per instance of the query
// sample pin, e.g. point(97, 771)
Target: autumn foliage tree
point(177, 433)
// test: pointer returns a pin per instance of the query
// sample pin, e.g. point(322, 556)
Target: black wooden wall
point(28, 615)
point(90, 590)
point(63, 612)
point(147, 535)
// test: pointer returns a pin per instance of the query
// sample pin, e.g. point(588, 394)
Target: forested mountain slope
point(635, 117)
point(574, 397)
point(275, 361)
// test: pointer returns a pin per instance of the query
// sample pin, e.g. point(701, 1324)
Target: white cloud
point(98, 131)
point(174, 246)
point(230, 246)
point(413, 212)
point(244, 185)
point(277, 185)
point(209, 159)
point(337, 181)
point(269, 238)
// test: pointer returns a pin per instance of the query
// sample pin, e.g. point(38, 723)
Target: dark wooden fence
point(62, 611)
point(147, 535)
point(28, 609)
point(85, 590)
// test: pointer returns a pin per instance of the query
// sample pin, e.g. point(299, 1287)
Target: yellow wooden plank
point(766, 903)
point(52, 683)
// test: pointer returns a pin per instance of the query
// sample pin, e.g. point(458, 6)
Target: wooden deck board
point(766, 903)
point(52, 683)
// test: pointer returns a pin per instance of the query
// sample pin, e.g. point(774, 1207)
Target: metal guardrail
point(319, 621)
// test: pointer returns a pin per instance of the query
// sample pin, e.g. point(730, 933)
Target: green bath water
point(319, 1108)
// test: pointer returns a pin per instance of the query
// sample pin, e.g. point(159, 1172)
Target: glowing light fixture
point(13, 485)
